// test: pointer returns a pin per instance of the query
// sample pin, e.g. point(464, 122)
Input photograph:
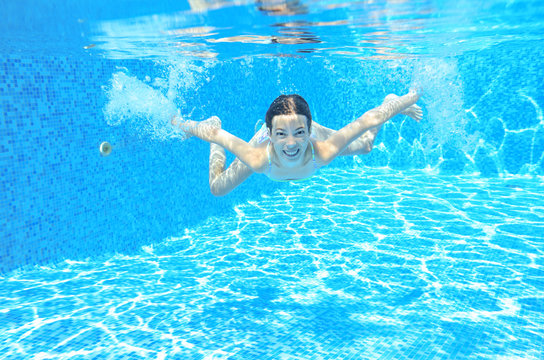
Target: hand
point(191, 128)
point(213, 121)
point(413, 111)
point(179, 124)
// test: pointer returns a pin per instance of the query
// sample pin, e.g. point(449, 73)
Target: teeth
point(291, 153)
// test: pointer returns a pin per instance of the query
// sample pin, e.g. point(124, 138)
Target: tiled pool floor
point(353, 264)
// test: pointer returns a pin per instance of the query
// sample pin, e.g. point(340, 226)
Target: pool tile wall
point(504, 98)
point(61, 199)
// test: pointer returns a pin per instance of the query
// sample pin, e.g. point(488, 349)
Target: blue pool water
point(354, 264)
point(429, 247)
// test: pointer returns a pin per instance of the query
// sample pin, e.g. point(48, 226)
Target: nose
point(291, 141)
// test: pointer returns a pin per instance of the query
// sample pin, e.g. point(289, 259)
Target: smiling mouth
point(291, 154)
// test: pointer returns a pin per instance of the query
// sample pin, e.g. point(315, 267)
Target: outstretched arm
point(254, 158)
point(342, 138)
point(364, 143)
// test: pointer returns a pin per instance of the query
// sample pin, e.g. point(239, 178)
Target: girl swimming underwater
point(290, 146)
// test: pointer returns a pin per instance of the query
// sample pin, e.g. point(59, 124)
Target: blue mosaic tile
point(57, 189)
point(65, 207)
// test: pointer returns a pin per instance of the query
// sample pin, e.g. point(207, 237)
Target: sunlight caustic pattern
point(355, 263)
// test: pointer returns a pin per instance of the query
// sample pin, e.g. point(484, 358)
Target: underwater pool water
point(359, 263)
point(429, 247)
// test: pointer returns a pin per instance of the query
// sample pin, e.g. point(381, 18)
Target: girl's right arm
point(255, 158)
point(340, 140)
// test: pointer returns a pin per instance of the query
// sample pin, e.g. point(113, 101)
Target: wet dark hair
point(287, 105)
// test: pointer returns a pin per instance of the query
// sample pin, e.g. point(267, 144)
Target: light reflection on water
point(362, 29)
point(359, 262)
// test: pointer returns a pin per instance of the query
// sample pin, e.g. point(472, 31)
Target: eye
point(301, 132)
point(280, 133)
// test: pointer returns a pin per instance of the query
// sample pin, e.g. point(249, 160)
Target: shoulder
point(260, 158)
point(323, 152)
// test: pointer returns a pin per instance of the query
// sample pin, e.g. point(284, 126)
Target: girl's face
point(290, 137)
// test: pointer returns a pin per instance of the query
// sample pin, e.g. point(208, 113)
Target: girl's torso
point(307, 170)
point(278, 173)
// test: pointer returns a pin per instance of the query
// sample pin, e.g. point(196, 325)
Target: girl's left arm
point(337, 142)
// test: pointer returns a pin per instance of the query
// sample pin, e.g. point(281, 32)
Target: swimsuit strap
point(262, 134)
point(313, 155)
point(269, 159)
point(258, 125)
